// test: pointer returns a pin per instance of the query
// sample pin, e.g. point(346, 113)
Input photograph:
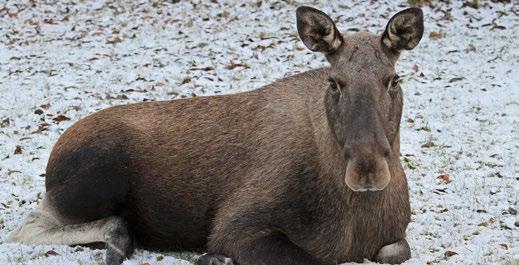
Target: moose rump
point(164, 186)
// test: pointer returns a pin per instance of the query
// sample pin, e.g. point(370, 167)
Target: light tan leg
point(41, 227)
point(395, 253)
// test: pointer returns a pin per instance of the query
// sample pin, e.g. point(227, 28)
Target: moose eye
point(393, 83)
point(333, 84)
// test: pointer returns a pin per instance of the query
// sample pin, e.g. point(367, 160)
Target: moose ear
point(317, 30)
point(404, 30)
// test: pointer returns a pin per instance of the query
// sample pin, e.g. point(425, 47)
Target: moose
point(305, 170)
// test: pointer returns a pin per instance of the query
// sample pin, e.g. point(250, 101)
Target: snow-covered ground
point(63, 60)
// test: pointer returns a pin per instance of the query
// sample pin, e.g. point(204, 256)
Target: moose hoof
point(113, 257)
point(395, 253)
point(214, 259)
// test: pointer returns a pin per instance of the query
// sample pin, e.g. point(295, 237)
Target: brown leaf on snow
point(42, 127)
point(472, 3)
point(264, 36)
point(470, 48)
point(444, 178)
point(435, 35)
point(18, 150)
point(504, 246)
point(5, 122)
point(50, 253)
point(61, 118)
point(49, 21)
point(483, 224)
point(233, 65)
point(449, 253)
point(114, 40)
point(185, 80)
point(45, 106)
point(456, 79)
point(207, 68)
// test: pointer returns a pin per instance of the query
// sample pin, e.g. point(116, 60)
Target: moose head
point(363, 100)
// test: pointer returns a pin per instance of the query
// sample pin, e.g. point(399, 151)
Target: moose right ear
point(317, 30)
point(404, 30)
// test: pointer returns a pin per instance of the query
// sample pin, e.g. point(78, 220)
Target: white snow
point(461, 100)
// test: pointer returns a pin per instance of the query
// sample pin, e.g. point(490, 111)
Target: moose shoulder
point(305, 170)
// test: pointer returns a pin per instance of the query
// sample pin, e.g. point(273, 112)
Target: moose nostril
point(387, 153)
point(346, 155)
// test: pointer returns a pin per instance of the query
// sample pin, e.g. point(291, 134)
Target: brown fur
point(256, 176)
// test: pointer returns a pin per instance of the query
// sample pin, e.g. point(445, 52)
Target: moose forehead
point(362, 57)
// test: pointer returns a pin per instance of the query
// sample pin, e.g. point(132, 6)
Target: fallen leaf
point(45, 106)
point(435, 35)
point(496, 26)
point(483, 224)
point(456, 79)
point(264, 36)
point(49, 21)
point(114, 40)
point(440, 191)
point(5, 122)
point(450, 253)
point(18, 150)
point(233, 65)
point(185, 80)
point(42, 127)
point(61, 118)
point(207, 68)
point(470, 48)
point(504, 246)
point(51, 253)
point(474, 4)
point(159, 258)
point(444, 178)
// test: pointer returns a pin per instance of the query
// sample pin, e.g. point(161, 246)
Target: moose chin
point(304, 170)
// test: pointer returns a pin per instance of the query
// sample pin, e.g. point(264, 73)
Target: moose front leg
point(264, 250)
point(395, 253)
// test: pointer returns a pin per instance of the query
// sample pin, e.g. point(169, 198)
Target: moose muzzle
point(367, 174)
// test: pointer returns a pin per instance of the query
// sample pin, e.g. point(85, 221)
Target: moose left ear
point(317, 30)
point(404, 30)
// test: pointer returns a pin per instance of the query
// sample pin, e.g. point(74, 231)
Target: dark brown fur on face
point(305, 170)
